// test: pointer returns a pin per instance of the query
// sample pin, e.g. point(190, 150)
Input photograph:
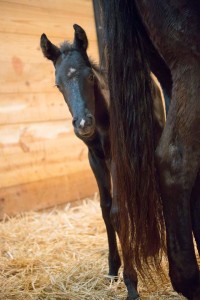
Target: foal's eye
point(57, 85)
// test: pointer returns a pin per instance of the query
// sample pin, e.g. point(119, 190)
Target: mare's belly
point(173, 26)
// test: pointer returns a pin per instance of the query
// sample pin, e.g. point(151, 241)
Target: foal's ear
point(49, 50)
point(80, 38)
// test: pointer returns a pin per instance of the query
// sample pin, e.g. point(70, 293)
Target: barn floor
point(62, 254)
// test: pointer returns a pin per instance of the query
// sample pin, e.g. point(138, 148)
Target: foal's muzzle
point(84, 126)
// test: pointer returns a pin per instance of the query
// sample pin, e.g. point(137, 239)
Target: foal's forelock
point(66, 47)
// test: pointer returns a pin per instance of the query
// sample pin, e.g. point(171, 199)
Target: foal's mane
point(101, 76)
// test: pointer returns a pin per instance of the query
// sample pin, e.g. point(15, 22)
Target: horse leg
point(195, 211)
point(160, 70)
point(158, 66)
point(129, 273)
point(102, 176)
point(130, 277)
point(178, 158)
point(176, 189)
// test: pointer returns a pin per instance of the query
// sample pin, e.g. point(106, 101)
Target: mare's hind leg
point(195, 211)
point(102, 175)
point(178, 159)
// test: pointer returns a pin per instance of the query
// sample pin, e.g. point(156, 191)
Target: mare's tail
point(132, 134)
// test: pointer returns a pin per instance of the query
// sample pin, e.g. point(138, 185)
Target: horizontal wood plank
point(61, 5)
point(32, 152)
point(47, 193)
point(33, 107)
point(28, 73)
point(21, 49)
point(55, 18)
point(31, 135)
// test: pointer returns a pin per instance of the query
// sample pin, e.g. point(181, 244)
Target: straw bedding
point(62, 254)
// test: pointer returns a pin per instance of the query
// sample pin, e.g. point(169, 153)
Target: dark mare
point(84, 88)
point(162, 36)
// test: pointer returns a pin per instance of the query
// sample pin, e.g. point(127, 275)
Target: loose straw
point(62, 254)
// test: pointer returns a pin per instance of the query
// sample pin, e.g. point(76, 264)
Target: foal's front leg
point(102, 175)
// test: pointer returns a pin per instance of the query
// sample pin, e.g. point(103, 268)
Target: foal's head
point(74, 78)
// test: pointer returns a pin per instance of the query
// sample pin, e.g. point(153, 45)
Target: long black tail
point(132, 134)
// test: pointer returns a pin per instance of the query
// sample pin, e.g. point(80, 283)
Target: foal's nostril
point(84, 126)
point(89, 120)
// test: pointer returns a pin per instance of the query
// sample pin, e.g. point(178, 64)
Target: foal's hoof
point(133, 298)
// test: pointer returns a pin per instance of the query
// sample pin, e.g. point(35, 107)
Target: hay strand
point(62, 254)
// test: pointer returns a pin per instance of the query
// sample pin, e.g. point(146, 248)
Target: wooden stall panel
point(40, 106)
point(20, 76)
point(42, 163)
point(39, 151)
point(53, 18)
point(47, 193)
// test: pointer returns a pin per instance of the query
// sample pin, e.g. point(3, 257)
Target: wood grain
point(42, 163)
point(33, 108)
point(47, 193)
point(31, 152)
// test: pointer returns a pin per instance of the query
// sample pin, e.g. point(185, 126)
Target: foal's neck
point(101, 107)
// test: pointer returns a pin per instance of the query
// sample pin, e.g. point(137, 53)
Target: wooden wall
point(42, 163)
